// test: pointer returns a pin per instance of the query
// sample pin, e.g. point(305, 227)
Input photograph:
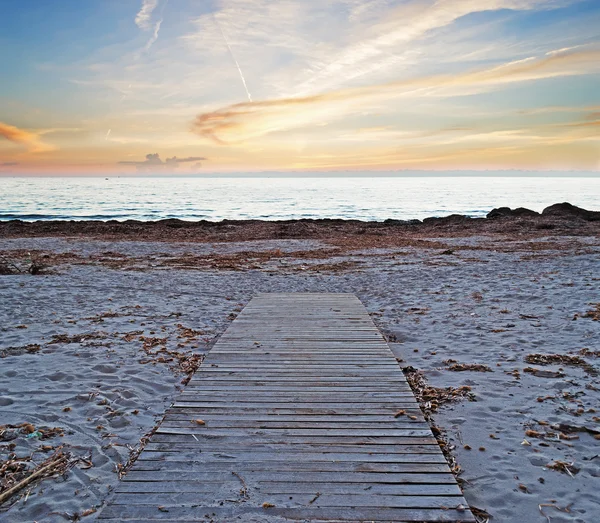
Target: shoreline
point(558, 218)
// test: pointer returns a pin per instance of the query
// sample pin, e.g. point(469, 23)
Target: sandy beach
point(100, 341)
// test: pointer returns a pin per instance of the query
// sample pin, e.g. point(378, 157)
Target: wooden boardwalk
point(296, 403)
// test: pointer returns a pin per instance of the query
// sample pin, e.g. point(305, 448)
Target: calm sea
point(272, 198)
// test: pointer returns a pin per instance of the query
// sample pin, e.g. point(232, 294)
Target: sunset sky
point(184, 86)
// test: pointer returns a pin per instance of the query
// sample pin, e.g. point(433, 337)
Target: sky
point(193, 86)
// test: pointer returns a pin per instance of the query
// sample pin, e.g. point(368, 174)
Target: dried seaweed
point(134, 452)
point(564, 467)
point(594, 313)
point(560, 359)
point(77, 338)
point(17, 351)
point(453, 365)
point(430, 397)
point(541, 373)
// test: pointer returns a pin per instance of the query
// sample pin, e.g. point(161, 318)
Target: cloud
point(144, 15)
point(384, 44)
point(9, 164)
point(144, 21)
point(153, 162)
point(27, 139)
point(154, 36)
point(243, 121)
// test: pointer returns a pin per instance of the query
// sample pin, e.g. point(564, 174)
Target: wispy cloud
point(144, 15)
point(386, 43)
point(154, 36)
point(243, 121)
point(27, 139)
point(144, 20)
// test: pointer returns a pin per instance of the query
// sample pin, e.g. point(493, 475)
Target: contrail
point(233, 57)
point(107, 134)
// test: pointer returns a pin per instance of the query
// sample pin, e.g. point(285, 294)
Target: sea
point(272, 197)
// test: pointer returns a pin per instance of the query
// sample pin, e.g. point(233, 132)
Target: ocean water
point(277, 198)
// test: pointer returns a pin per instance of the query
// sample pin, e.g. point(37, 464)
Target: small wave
point(68, 217)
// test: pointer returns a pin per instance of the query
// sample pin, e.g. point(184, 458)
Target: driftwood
point(52, 464)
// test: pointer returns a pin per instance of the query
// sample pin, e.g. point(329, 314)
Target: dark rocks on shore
point(558, 210)
point(558, 217)
point(392, 221)
point(566, 210)
point(507, 212)
point(453, 219)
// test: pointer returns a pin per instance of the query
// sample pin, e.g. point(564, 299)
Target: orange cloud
point(27, 139)
point(243, 121)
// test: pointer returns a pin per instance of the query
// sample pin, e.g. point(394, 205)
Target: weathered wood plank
point(256, 513)
point(297, 403)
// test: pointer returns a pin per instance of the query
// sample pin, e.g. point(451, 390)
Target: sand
point(104, 372)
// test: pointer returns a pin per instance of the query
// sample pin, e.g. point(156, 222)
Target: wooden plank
point(294, 487)
point(256, 513)
point(297, 402)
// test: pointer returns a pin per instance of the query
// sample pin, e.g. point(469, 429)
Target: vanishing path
point(292, 418)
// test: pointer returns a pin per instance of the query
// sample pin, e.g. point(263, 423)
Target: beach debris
point(267, 505)
point(481, 515)
point(77, 338)
point(419, 310)
point(185, 362)
point(530, 433)
point(199, 422)
point(10, 432)
point(561, 359)
point(317, 496)
point(542, 373)
point(523, 488)
point(570, 429)
point(134, 452)
point(32, 348)
point(244, 492)
point(594, 313)
point(552, 505)
point(564, 467)
point(15, 476)
point(430, 397)
point(30, 265)
point(399, 413)
point(187, 333)
point(541, 399)
point(459, 367)
point(99, 318)
point(132, 335)
point(589, 353)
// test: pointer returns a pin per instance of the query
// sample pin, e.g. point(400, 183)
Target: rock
point(523, 211)
point(392, 221)
point(566, 210)
point(507, 212)
point(500, 212)
point(447, 220)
